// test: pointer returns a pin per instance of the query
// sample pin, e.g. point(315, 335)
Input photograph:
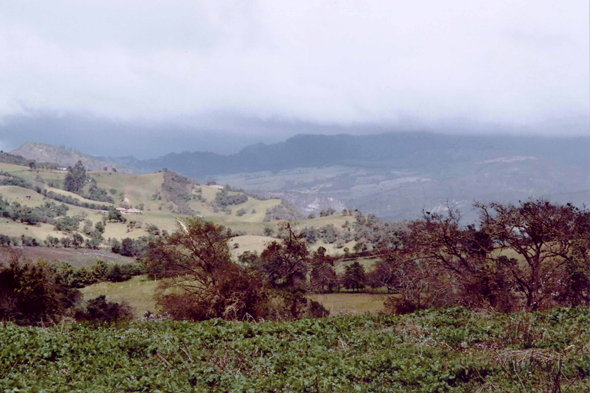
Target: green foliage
point(96, 193)
point(45, 213)
point(430, 351)
point(115, 215)
point(67, 224)
point(177, 189)
point(7, 179)
point(132, 247)
point(70, 200)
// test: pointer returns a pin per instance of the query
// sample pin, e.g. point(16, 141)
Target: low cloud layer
point(344, 63)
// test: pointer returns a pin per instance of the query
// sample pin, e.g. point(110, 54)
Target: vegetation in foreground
point(428, 351)
point(531, 257)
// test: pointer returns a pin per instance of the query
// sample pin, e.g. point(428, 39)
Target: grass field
point(76, 257)
point(138, 292)
point(351, 303)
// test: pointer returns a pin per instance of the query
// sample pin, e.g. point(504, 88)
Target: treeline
point(53, 214)
point(371, 235)
point(7, 179)
point(70, 200)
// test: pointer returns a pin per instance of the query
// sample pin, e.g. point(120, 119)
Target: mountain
point(62, 156)
point(397, 175)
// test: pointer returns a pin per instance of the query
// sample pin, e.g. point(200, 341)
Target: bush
point(316, 310)
point(32, 293)
point(99, 309)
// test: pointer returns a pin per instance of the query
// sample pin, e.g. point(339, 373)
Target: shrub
point(31, 293)
point(99, 309)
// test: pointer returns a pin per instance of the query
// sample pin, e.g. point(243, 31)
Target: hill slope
point(64, 157)
point(161, 199)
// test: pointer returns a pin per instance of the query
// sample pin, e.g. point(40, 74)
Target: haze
point(150, 77)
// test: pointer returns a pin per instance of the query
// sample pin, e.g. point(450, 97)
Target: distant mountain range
point(394, 175)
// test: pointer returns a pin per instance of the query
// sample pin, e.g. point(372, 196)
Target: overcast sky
point(193, 75)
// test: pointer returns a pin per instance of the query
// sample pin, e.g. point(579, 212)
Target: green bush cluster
point(223, 199)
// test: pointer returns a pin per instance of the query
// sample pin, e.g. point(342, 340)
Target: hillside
point(161, 199)
point(64, 157)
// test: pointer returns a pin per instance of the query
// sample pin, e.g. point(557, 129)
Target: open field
point(138, 292)
point(430, 351)
point(351, 303)
point(21, 195)
point(40, 231)
point(76, 257)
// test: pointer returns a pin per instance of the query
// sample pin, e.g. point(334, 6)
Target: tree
point(200, 281)
point(354, 276)
point(77, 240)
point(285, 265)
point(99, 309)
point(76, 178)
point(100, 227)
point(552, 242)
point(322, 277)
point(530, 255)
point(115, 215)
point(127, 247)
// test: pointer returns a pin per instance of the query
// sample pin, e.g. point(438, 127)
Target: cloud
point(323, 62)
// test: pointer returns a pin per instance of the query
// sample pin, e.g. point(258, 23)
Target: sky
point(149, 77)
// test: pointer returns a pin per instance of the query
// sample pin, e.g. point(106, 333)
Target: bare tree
point(531, 254)
point(551, 244)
